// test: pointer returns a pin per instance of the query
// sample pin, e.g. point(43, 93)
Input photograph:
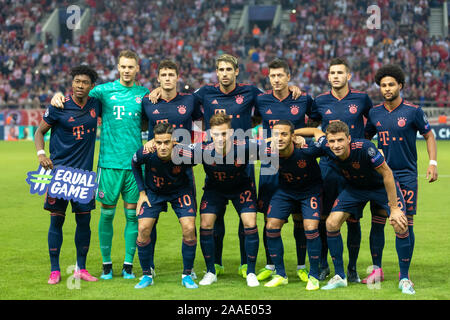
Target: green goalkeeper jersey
point(120, 135)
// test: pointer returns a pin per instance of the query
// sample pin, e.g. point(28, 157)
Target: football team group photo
point(225, 150)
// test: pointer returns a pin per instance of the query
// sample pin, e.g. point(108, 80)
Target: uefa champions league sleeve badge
point(64, 183)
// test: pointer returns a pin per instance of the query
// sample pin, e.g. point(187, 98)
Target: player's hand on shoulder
point(58, 100)
point(150, 146)
point(45, 162)
point(155, 95)
point(296, 92)
point(299, 141)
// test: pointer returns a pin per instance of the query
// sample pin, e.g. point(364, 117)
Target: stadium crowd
point(194, 32)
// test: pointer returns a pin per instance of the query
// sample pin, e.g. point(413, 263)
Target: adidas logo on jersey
point(113, 98)
point(378, 124)
point(328, 112)
point(215, 102)
point(269, 111)
point(156, 111)
point(71, 119)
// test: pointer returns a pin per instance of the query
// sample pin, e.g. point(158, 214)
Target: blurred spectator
point(442, 119)
point(193, 33)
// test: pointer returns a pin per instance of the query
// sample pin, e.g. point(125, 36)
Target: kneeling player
point(369, 178)
point(70, 147)
point(300, 184)
point(164, 182)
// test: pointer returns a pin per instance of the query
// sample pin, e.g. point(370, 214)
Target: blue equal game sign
point(63, 182)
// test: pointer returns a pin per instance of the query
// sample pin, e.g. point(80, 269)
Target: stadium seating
point(194, 32)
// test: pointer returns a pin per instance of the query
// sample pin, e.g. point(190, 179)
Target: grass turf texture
point(25, 263)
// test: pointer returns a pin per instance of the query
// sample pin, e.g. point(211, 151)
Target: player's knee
point(207, 225)
point(83, 219)
point(248, 219)
point(310, 224)
point(130, 215)
point(333, 224)
point(399, 229)
point(144, 231)
point(107, 213)
point(273, 224)
point(208, 221)
point(249, 224)
point(189, 231)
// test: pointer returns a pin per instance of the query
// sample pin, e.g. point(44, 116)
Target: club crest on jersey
point(93, 114)
point(294, 110)
point(401, 122)
point(353, 108)
point(239, 99)
point(301, 163)
point(203, 205)
point(138, 100)
point(181, 109)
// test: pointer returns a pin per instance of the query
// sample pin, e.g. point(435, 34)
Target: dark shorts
point(334, 183)
point(214, 201)
point(284, 202)
point(408, 186)
point(353, 200)
point(268, 185)
point(182, 203)
point(60, 205)
point(190, 174)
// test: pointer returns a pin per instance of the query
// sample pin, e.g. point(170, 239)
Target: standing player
point(397, 122)
point(179, 109)
point(237, 100)
point(368, 178)
point(173, 107)
point(227, 179)
point(120, 137)
point(72, 144)
point(164, 182)
point(300, 184)
point(349, 106)
point(280, 104)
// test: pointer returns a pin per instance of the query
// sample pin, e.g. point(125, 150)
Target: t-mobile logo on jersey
point(384, 137)
point(119, 111)
point(78, 131)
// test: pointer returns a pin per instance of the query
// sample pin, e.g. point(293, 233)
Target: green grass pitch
point(25, 266)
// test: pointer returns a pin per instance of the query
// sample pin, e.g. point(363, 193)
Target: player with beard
point(397, 122)
point(238, 101)
point(350, 106)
